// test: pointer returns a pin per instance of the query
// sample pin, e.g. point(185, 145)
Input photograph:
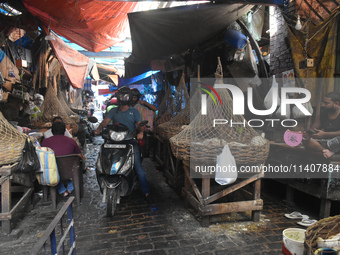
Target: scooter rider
point(130, 117)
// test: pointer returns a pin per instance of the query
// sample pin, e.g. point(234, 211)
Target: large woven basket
point(324, 229)
point(11, 142)
point(250, 154)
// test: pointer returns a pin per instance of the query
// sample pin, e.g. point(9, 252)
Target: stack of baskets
point(181, 120)
point(11, 142)
point(325, 229)
point(202, 142)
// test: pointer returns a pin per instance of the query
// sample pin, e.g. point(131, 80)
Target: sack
point(226, 168)
point(48, 174)
point(29, 161)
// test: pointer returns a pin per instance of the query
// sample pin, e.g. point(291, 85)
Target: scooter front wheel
point(112, 199)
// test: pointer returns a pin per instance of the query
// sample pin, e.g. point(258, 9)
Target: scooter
point(114, 167)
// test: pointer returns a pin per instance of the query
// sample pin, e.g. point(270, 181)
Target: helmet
point(135, 93)
point(124, 95)
point(114, 100)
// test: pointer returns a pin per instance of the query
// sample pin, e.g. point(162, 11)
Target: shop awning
point(93, 24)
point(74, 63)
point(161, 33)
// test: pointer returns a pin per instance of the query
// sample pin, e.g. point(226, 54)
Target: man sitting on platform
point(48, 133)
point(324, 135)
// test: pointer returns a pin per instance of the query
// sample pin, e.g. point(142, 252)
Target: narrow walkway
point(167, 227)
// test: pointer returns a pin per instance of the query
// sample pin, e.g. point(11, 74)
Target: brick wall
point(280, 54)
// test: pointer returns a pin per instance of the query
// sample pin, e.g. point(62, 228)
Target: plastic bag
point(29, 161)
point(226, 169)
point(273, 92)
point(297, 113)
point(48, 174)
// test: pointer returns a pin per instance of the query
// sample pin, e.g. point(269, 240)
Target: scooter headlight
point(118, 136)
point(127, 165)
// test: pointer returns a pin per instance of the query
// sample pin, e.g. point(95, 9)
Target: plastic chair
point(69, 167)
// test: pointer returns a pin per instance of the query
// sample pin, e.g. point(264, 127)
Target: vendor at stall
point(322, 137)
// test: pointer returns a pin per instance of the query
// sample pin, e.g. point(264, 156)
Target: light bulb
point(298, 25)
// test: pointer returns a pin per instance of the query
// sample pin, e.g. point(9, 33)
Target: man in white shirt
point(48, 133)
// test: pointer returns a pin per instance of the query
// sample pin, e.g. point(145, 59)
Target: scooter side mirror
point(92, 119)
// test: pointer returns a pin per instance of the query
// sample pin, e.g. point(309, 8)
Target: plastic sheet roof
point(93, 24)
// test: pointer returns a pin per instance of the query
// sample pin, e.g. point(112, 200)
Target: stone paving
point(167, 227)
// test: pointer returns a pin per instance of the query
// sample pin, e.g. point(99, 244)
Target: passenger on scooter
point(147, 111)
point(130, 117)
point(136, 100)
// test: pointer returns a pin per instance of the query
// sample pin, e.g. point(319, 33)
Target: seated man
point(322, 137)
point(62, 145)
point(48, 133)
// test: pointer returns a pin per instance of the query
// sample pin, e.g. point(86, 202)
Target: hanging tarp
point(321, 47)
point(161, 33)
point(74, 63)
point(93, 24)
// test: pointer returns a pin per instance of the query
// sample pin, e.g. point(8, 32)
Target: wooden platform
point(172, 167)
point(206, 203)
point(7, 176)
point(327, 189)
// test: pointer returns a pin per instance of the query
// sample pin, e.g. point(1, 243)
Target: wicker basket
point(324, 229)
point(11, 142)
point(243, 154)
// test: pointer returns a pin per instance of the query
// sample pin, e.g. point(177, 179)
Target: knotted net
point(52, 108)
point(75, 117)
point(182, 119)
point(11, 142)
point(177, 103)
point(202, 142)
point(78, 102)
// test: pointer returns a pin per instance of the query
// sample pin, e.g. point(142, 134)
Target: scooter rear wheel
point(112, 198)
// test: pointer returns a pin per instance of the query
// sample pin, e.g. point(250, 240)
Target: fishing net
point(181, 120)
point(78, 103)
point(165, 103)
point(75, 117)
point(177, 103)
point(11, 142)
point(52, 108)
point(202, 142)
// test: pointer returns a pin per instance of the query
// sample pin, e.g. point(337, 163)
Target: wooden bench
point(7, 176)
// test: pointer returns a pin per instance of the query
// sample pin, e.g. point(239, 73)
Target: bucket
point(293, 240)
